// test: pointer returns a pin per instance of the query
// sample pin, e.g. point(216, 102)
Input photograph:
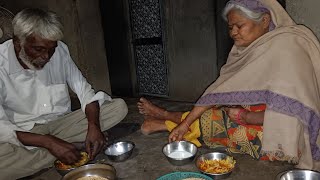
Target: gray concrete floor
point(148, 163)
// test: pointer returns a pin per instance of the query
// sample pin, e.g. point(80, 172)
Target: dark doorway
point(117, 41)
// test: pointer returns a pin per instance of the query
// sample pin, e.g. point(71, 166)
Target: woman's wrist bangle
point(239, 119)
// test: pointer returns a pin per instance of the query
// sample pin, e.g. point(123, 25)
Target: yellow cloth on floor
point(194, 132)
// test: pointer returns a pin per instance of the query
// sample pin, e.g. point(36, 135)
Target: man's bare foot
point(148, 109)
point(152, 126)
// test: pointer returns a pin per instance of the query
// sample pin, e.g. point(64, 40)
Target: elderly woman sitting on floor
point(266, 101)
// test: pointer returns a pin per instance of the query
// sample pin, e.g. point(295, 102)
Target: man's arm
point(64, 151)
point(95, 139)
point(93, 114)
point(31, 139)
point(89, 100)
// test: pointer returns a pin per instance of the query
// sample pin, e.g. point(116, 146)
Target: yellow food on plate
point(84, 159)
point(218, 166)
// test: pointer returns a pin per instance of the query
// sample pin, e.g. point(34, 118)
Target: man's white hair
point(255, 16)
point(38, 22)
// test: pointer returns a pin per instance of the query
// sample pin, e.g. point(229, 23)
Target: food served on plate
point(92, 178)
point(218, 166)
point(84, 159)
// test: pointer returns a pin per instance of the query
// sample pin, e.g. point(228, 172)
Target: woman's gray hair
point(255, 16)
point(42, 23)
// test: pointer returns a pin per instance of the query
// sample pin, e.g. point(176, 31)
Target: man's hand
point(62, 150)
point(95, 141)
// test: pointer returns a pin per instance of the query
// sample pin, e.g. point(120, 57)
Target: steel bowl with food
point(119, 151)
point(299, 174)
point(180, 152)
point(63, 169)
point(216, 164)
point(92, 172)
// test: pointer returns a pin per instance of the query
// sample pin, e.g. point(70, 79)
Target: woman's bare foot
point(148, 109)
point(151, 126)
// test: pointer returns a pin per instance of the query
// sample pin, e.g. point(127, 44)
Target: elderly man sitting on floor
point(37, 125)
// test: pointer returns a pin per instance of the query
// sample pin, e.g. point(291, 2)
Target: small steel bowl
point(298, 174)
point(213, 156)
point(180, 152)
point(100, 170)
point(119, 151)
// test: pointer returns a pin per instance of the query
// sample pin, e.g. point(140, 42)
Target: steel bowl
point(298, 174)
point(180, 152)
point(119, 151)
point(213, 156)
point(100, 170)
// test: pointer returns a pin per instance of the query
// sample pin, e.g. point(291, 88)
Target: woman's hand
point(178, 132)
point(245, 117)
point(233, 114)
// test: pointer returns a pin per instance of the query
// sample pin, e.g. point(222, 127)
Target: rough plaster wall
point(92, 40)
point(191, 47)
point(83, 35)
point(305, 12)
